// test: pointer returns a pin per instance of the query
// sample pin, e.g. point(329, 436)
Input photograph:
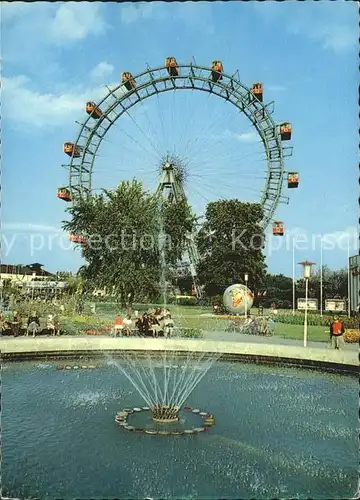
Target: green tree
point(230, 244)
point(278, 289)
point(335, 284)
point(124, 231)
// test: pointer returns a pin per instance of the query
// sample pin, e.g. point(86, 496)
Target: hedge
point(314, 320)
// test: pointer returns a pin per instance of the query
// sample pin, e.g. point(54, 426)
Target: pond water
point(279, 433)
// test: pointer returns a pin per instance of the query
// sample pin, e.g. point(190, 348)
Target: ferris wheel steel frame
point(155, 81)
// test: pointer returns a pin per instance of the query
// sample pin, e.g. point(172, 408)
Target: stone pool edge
point(343, 361)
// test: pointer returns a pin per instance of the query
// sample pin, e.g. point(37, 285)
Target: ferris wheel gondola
point(174, 77)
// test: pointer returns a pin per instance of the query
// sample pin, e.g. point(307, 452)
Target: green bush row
point(183, 301)
point(190, 333)
point(313, 320)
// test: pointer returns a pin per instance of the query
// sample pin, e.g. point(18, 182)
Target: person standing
point(118, 327)
point(337, 331)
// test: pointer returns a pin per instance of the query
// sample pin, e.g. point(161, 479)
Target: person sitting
point(50, 325)
point(337, 331)
point(160, 317)
point(118, 327)
point(56, 325)
point(127, 325)
point(33, 325)
point(15, 324)
point(2, 324)
point(154, 325)
point(168, 326)
point(139, 326)
point(145, 322)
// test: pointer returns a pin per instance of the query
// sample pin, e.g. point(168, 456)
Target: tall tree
point(230, 244)
point(124, 232)
point(335, 284)
point(278, 289)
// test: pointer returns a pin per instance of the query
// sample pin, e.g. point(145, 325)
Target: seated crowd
point(154, 323)
point(16, 324)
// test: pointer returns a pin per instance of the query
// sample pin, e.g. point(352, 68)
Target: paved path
point(251, 339)
point(270, 349)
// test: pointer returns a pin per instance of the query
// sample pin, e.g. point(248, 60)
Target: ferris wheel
point(262, 181)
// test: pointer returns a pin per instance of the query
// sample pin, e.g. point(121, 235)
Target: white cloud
point(196, 14)
point(247, 137)
point(14, 10)
point(32, 30)
point(332, 24)
point(132, 13)
point(20, 100)
point(75, 21)
point(102, 70)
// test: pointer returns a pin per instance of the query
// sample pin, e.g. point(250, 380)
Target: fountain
point(164, 379)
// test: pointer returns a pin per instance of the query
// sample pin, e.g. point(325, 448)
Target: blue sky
point(58, 56)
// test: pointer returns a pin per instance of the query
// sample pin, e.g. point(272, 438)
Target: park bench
point(43, 330)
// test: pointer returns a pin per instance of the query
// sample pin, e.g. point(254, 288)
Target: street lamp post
point(293, 277)
point(246, 283)
point(306, 274)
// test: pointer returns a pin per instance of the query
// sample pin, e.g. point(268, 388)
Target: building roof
point(24, 270)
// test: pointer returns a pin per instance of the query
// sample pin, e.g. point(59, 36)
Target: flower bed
point(352, 336)
point(100, 330)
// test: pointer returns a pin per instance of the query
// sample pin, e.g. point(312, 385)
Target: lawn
point(315, 333)
point(191, 317)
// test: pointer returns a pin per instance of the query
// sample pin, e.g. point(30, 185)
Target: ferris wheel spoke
point(191, 142)
point(151, 128)
point(141, 146)
point(164, 132)
point(249, 175)
point(220, 194)
point(210, 144)
point(185, 125)
point(143, 134)
point(227, 159)
point(211, 141)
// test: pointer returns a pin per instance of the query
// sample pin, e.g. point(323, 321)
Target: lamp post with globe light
point(246, 284)
point(306, 274)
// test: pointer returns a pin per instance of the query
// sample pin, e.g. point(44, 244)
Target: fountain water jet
point(165, 388)
point(165, 380)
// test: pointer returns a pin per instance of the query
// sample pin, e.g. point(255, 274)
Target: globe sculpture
point(236, 296)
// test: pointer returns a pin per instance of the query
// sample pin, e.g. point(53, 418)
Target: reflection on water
point(280, 433)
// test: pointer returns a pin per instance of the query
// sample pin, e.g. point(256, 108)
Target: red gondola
point(77, 238)
point(293, 180)
point(216, 71)
point(128, 80)
point(285, 131)
point(278, 228)
point(72, 149)
point(257, 91)
point(93, 110)
point(64, 194)
point(172, 66)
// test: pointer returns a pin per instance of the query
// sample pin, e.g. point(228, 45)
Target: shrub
point(313, 320)
point(77, 325)
point(193, 333)
point(183, 301)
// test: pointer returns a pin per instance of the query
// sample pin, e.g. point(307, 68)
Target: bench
point(6, 328)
